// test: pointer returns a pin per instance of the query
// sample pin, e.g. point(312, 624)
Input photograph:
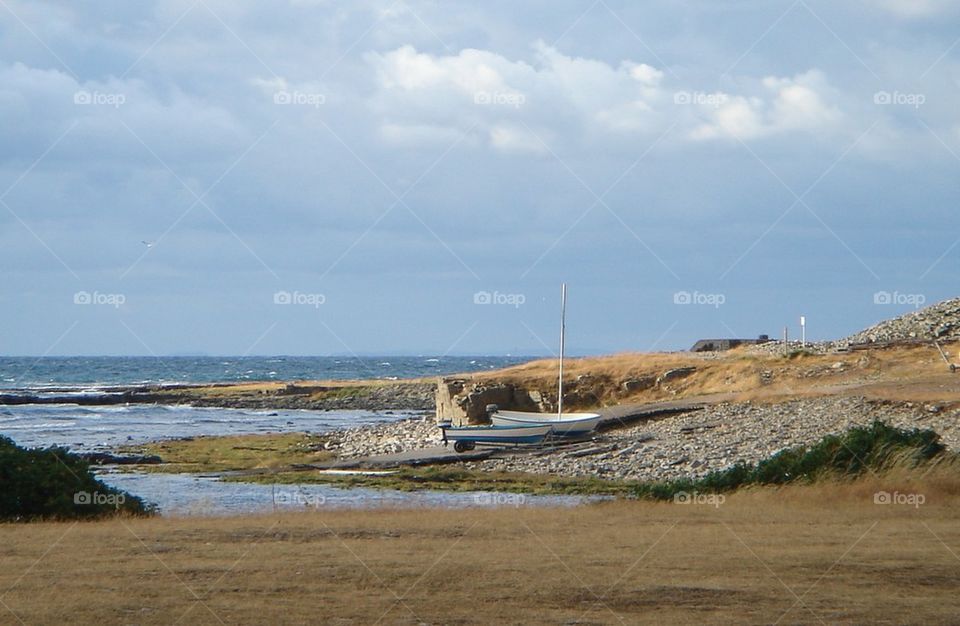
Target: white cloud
point(783, 105)
point(579, 97)
point(501, 96)
point(468, 72)
point(646, 74)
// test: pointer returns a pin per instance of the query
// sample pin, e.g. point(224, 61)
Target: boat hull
point(569, 424)
point(513, 433)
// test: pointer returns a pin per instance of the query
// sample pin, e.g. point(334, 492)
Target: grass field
point(819, 554)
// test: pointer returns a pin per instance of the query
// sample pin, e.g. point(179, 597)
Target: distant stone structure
point(718, 345)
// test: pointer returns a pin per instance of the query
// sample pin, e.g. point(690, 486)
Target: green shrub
point(862, 448)
point(52, 483)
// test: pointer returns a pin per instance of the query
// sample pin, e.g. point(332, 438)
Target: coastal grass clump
point(233, 452)
point(875, 448)
point(52, 483)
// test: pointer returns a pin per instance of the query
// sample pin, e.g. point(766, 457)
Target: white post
point(563, 315)
point(803, 331)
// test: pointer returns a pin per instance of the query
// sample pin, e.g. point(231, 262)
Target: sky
point(311, 177)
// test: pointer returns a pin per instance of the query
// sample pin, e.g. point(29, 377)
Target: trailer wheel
point(462, 446)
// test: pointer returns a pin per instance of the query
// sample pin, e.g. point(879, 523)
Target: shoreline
point(370, 395)
point(659, 446)
point(754, 404)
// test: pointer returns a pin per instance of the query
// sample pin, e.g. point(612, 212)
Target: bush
point(863, 448)
point(52, 483)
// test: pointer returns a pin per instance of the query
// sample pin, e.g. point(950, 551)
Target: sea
point(104, 428)
point(39, 373)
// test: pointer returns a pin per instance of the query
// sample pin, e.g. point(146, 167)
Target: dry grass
point(798, 555)
point(905, 372)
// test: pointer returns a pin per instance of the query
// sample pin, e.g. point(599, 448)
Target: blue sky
point(318, 177)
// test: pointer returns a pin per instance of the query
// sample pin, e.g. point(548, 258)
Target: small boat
point(467, 437)
point(565, 425)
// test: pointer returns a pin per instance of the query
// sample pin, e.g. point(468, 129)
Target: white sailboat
point(564, 424)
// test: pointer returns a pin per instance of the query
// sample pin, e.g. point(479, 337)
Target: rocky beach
point(688, 444)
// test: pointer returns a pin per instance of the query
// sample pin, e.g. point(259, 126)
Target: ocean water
point(88, 429)
point(93, 372)
point(104, 428)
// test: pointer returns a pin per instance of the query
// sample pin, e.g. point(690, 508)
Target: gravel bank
point(690, 444)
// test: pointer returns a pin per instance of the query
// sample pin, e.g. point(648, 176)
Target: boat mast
point(563, 315)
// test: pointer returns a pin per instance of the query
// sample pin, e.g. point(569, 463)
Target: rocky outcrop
point(939, 321)
point(400, 396)
point(107, 458)
point(463, 402)
point(636, 385)
point(674, 374)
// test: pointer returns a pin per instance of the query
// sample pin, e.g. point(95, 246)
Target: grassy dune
point(902, 372)
point(824, 553)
